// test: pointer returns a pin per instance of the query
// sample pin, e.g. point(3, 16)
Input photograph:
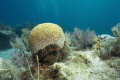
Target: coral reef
point(44, 35)
point(45, 41)
point(110, 45)
point(52, 50)
point(81, 66)
point(59, 56)
point(21, 55)
point(107, 46)
point(83, 39)
point(8, 71)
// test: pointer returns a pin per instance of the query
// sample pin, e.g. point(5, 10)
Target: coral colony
point(48, 53)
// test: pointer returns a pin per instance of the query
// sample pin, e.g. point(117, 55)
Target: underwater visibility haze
point(100, 15)
point(59, 40)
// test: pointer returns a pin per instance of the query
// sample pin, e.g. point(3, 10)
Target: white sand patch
point(6, 53)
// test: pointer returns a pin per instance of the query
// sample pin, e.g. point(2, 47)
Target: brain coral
point(44, 35)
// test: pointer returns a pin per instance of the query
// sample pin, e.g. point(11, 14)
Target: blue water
point(98, 15)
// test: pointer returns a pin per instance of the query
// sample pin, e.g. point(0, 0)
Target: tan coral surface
point(44, 35)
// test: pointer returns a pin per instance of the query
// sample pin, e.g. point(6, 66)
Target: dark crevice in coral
point(48, 55)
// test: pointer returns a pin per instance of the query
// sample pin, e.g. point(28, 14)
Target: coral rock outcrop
point(44, 35)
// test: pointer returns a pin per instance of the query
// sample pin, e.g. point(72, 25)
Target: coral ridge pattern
point(44, 35)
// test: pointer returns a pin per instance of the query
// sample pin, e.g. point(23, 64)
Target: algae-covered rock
point(71, 69)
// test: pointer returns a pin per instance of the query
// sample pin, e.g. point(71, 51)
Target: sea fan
point(83, 39)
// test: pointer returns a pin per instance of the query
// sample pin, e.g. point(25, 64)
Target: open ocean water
point(98, 15)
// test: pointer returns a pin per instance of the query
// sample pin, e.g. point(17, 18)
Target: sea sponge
point(98, 43)
point(44, 35)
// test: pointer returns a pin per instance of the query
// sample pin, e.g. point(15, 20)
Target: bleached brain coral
point(46, 34)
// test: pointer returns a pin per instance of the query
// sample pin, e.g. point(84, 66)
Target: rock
point(6, 33)
point(106, 37)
